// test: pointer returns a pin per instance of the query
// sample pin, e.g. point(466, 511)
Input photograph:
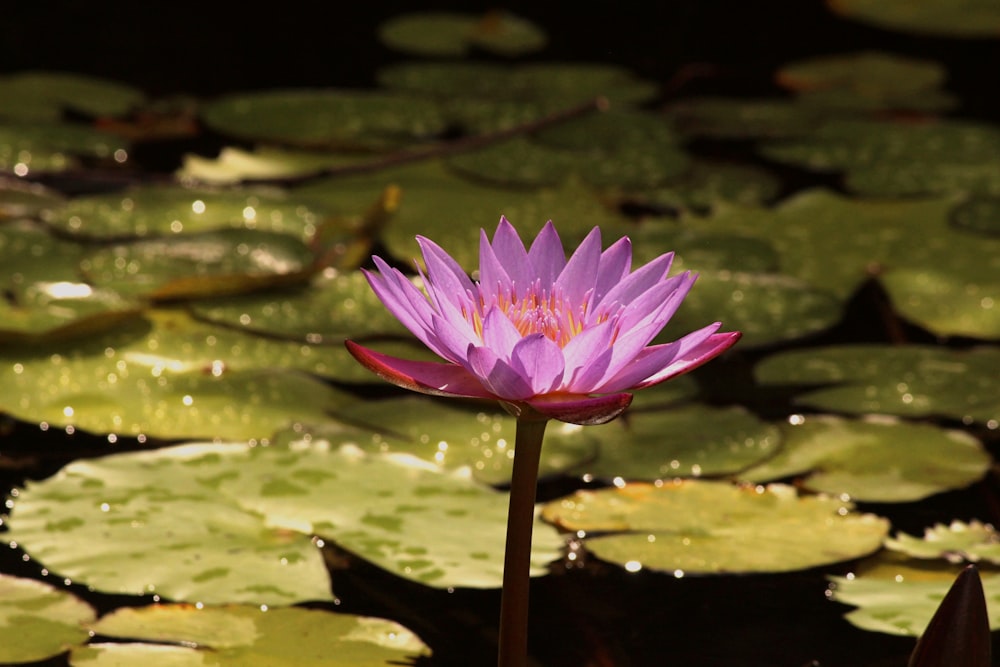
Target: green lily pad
point(950, 302)
point(518, 162)
point(910, 381)
point(742, 118)
point(169, 209)
point(697, 250)
point(27, 148)
point(957, 542)
point(326, 118)
point(980, 215)
point(480, 441)
point(453, 34)
point(701, 527)
point(766, 307)
point(61, 310)
point(22, 199)
point(244, 636)
point(875, 460)
point(707, 184)
point(152, 523)
point(883, 158)
point(232, 523)
point(170, 377)
point(967, 18)
point(45, 620)
point(332, 308)
point(899, 596)
point(204, 264)
point(867, 81)
point(565, 84)
point(685, 441)
point(30, 255)
point(44, 96)
point(451, 210)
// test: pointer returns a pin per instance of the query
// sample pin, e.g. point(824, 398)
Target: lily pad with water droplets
point(899, 596)
point(480, 440)
point(61, 310)
point(231, 523)
point(706, 184)
point(234, 165)
point(171, 378)
point(875, 460)
point(45, 620)
point(454, 34)
point(23, 199)
point(968, 18)
point(741, 118)
point(245, 636)
point(959, 301)
point(168, 209)
point(957, 542)
point(910, 381)
point(701, 527)
point(883, 158)
point(197, 265)
point(685, 441)
point(326, 118)
point(30, 148)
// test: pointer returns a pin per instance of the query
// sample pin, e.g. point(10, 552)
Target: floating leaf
point(517, 162)
point(969, 18)
point(867, 80)
point(980, 215)
point(44, 96)
point(957, 542)
point(22, 199)
point(899, 596)
point(244, 636)
point(874, 460)
point(234, 165)
point(326, 118)
point(205, 264)
point(740, 118)
point(452, 438)
point(452, 34)
point(28, 148)
point(45, 620)
point(164, 210)
point(706, 184)
point(695, 526)
point(950, 301)
point(910, 381)
point(61, 310)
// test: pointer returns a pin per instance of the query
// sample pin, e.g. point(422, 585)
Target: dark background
point(207, 48)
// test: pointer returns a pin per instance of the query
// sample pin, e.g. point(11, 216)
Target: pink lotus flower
point(546, 336)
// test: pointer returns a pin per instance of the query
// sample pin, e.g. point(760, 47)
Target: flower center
point(536, 311)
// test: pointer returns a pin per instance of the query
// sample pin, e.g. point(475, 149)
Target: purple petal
point(546, 256)
point(540, 361)
point(445, 278)
point(580, 273)
point(615, 264)
point(585, 410)
point(499, 333)
point(656, 305)
point(510, 252)
point(492, 275)
point(426, 377)
point(639, 280)
point(588, 350)
point(695, 357)
point(496, 375)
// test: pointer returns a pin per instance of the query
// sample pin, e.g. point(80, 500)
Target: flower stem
point(513, 649)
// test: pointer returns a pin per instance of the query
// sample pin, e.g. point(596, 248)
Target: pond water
point(186, 195)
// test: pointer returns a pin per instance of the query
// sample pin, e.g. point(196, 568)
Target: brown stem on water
point(513, 646)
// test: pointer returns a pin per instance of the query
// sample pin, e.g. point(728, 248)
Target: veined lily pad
point(481, 441)
point(685, 441)
point(874, 460)
point(700, 527)
point(245, 636)
point(44, 96)
point(152, 210)
point(969, 18)
point(899, 596)
point(26, 148)
point(231, 523)
point(453, 34)
point(326, 118)
point(196, 265)
point(957, 542)
point(910, 381)
point(45, 620)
